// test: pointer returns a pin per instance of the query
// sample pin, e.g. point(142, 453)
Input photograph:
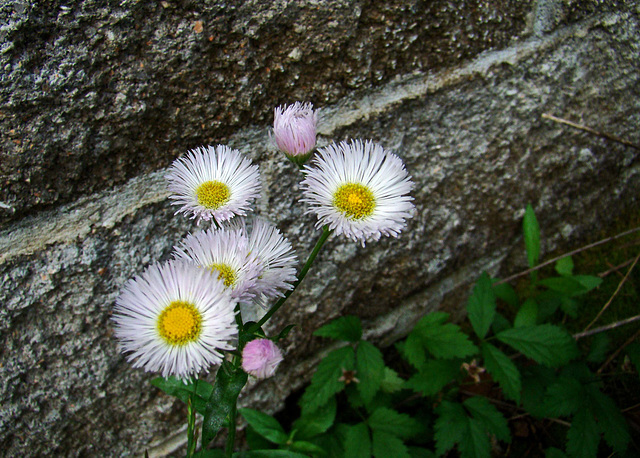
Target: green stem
point(323, 238)
point(191, 421)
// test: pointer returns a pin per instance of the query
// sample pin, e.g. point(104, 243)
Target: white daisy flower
point(216, 183)
point(277, 260)
point(175, 319)
point(358, 190)
point(227, 253)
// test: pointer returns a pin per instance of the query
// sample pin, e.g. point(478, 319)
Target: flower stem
point(191, 421)
point(231, 432)
point(323, 238)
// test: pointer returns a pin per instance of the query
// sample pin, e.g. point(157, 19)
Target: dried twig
point(614, 294)
point(608, 327)
point(571, 253)
point(590, 130)
point(617, 352)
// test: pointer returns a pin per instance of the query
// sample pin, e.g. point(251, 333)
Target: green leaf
point(432, 376)
point(588, 282)
point(531, 236)
point(633, 352)
point(535, 380)
point(265, 425)
point(209, 454)
point(564, 397)
point(284, 333)
point(610, 420)
point(564, 285)
point(357, 441)
point(412, 349)
point(527, 315)
point(391, 382)
point(506, 292)
point(174, 386)
point(583, 436)
point(318, 422)
point(481, 306)
point(369, 369)
point(392, 422)
point(226, 388)
point(307, 447)
point(503, 371)
point(325, 382)
point(489, 417)
point(442, 340)
point(500, 323)
point(546, 344)
point(476, 443)
point(347, 328)
point(450, 426)
point(564, 266)
point(256, 441)
point(569, 306)
point(386, 445)
point(599, 348)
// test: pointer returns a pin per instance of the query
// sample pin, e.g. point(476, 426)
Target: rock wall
point(98, 98)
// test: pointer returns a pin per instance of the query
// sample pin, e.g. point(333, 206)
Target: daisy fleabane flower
point(358, 190)
point(175, 319)
point(225, 252)
point(260, 358)
point(294, 128)
point(277, 261)
point(213, 183)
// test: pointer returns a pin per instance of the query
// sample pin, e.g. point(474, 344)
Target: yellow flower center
point(225, 273)
point(179, 323)
point(213, 194)
point(355, 201)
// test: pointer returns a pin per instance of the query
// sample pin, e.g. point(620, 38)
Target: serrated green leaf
point(599, 348)
point(489, 417)
point(527, 315)
point(385, 445)
point(370, 370)
point(326, 380)
point(583, 436)
point(546, 344)
point(531, 236)
point(442, 340)
point(476, 443)
point(564, 285)
point(481, 306)
point(265, 425)
point(392, 422)
point(318, 422)
point(275, 453)
point(357, 441)
point(391, 382)
point(564, 266)
point(413, 350)
point(503, 371)
point(226, 388)
point(450, 426)
point(506, 292)
point(564, 397)
point(569, 306)
point(535, 380)
point(610, 421)
point(432, 376)
point(347, 328)
point(588, 282)
point(633, 352)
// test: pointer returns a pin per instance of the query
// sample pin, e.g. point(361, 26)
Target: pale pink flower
point(294, 127)
point(260, 358)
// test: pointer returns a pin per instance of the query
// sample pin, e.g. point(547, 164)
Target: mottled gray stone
point(474, 141)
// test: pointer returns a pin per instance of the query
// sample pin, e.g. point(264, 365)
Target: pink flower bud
point(294, 127)
point(260, 358)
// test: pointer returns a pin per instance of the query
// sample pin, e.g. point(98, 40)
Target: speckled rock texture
point(98, 99)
